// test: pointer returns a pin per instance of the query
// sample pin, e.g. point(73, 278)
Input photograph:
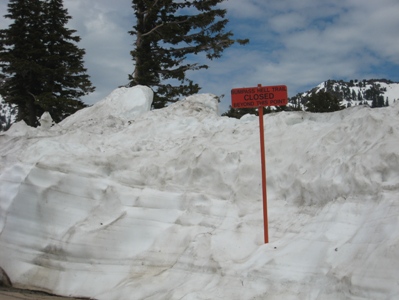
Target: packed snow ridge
point(121, 202)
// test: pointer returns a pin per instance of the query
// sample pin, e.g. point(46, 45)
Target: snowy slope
point(119, 202)
point(392, 91)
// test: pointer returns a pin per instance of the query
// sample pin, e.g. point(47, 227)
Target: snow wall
point(120, 202)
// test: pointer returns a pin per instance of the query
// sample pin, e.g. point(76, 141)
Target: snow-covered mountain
point(120, 202)
point(373, 92)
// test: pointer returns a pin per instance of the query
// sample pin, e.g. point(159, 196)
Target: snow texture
point(121, 202)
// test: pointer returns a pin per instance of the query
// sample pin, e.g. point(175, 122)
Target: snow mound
point(123, 104)
point(19, 129)
point(166, 204)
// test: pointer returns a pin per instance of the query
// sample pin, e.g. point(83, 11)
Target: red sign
point(251, 97)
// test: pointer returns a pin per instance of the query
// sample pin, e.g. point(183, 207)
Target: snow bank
point(129, 203)
point(123, 103)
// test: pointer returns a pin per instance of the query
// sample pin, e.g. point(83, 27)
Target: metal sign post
point(263, 168)
point(258, 97)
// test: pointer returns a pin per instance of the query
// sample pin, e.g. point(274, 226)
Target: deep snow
point(120, 202)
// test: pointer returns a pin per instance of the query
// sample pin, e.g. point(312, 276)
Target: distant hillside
point(373, 92)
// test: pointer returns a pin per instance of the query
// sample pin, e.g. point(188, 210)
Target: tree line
point(322, 101)
point(42, 68)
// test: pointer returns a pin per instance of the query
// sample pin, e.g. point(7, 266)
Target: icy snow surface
point(120, 202)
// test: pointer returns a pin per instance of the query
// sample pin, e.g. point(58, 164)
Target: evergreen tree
point(43, 66)
point(239, 112)
point(380, 101)
point(21, 50)
point(323, 102)
point(354, 96)
point(359, 96)
point(374, 103)
point(166, 32)
point(297, 103)
point(67, 80)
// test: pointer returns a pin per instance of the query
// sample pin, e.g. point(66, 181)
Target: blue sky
point(296, 43)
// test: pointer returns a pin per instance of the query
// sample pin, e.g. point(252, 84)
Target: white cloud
point(288, 22)
point(245, 9)
point(104, 27)
point(332, 38)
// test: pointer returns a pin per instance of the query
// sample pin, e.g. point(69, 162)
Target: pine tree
point(239, 112)
point(354, 96)
point(43, 66)
point(67, 80)
point(374, 103)
point(21, 50)
point(166, 33)
point(380, 101)
point(323, 102)
point(359, 96)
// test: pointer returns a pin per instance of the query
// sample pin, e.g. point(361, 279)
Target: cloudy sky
point(296, 43)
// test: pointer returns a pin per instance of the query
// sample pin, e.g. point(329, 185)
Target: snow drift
point(120, 202)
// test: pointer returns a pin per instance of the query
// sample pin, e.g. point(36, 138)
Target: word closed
point(259, 96)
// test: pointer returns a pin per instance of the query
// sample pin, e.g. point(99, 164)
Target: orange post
point(263, 163)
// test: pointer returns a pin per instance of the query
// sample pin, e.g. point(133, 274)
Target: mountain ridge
point(372, 92)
